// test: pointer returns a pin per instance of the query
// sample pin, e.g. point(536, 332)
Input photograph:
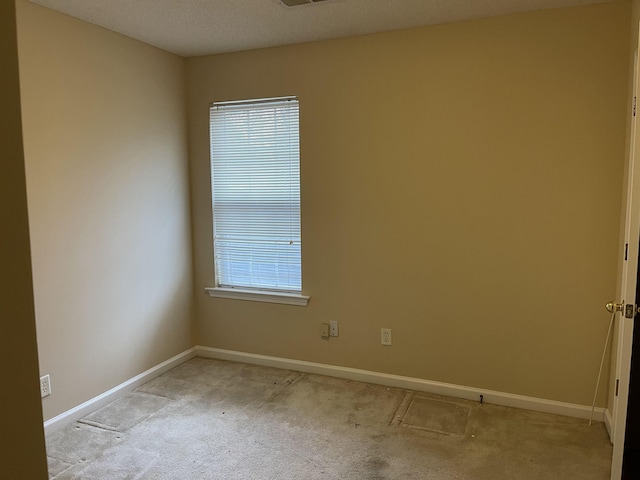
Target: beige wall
point(460, 185)
point(22, 453)
point(107, 181)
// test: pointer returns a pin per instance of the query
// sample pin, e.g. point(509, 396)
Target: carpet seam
point(401, 409)
point(297, 376)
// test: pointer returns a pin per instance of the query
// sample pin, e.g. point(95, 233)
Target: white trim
point(410, 383)
point(608, 422)
point(627, 284)
point(259, 296)
point(76, 413)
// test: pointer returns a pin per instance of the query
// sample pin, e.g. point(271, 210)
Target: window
point(255, 182)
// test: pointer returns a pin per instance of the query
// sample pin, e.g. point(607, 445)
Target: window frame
point(260, 293)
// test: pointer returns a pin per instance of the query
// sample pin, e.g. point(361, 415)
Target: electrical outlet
point(45, 386)
point(325, 330)
point(333, 324)
point(385, 336)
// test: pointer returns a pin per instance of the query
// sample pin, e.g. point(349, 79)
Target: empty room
point(278, 239)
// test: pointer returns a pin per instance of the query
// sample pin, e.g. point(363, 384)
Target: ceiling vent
point(295, 3)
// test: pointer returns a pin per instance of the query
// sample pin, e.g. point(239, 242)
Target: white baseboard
point(409, 383)
point(76, 413)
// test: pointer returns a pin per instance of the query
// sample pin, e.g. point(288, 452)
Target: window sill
point(258, 296)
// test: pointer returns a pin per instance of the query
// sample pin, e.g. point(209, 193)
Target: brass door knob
point(614, 307)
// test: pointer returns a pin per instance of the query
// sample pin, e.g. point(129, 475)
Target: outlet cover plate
point(385, 336)
point(333, 328)
point(45, 386)
point(325, 330)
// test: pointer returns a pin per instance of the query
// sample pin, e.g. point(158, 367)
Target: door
point(626, 291)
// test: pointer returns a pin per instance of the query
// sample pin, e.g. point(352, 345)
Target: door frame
point(626, 291)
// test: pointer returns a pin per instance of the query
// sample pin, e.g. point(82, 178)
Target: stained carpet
point(211, 419)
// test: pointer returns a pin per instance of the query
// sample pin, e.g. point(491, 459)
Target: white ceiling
point(201, 27)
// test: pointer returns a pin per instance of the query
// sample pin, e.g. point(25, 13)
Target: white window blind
point(255, 179)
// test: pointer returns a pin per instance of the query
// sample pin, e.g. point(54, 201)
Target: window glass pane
point(255, 168)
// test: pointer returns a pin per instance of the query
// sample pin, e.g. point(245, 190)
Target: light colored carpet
point(210, 419)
